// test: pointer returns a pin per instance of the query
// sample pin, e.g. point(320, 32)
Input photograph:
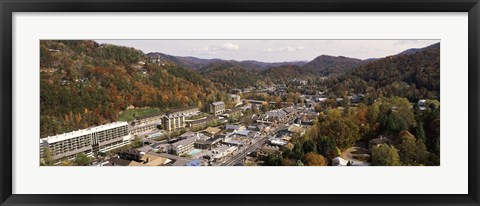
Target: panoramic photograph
point(239, 102)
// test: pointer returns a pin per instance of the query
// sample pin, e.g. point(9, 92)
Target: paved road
point(239, 157)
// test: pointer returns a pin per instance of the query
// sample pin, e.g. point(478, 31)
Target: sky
point(273, 50)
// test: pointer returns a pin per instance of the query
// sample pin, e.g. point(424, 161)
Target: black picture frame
point(10, 6)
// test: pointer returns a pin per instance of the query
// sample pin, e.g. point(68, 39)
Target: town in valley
point(103, 104)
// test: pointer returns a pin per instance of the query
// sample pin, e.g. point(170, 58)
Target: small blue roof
point(194, 163)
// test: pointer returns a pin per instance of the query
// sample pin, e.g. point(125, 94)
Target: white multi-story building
point(173, 121)
point(217, 108)
point(95, 139)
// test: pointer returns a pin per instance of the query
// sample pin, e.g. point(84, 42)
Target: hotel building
point(217, 108)
point(173, 121)
point(95, 139)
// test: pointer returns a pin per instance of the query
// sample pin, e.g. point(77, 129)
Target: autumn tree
point(346, 133)
point(384, 155)
point(314, 159)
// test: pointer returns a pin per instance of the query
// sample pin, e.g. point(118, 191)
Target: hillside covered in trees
point(85, 84)
point(414, 75)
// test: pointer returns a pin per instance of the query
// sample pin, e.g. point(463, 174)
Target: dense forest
point(85, 84)
point(414, 75)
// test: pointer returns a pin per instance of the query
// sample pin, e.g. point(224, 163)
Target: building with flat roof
point(207, 144)
point(173, 121)
point(185, 111)
point(149, 118)
point(95, 139)
point(137, 129)
point(217, 108)
point(186, 145)
point(200, 122)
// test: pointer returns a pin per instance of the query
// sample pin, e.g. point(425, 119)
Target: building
point(136, 158)
point(186, 145)
point(278, 116)
point(201, 122)
point(149, 118)
point(217, 108)
point(296, 130)
point(185, 111)
point(89, 141)
point(173, 121)
point(209, 143)
point(142, 128)
point(235, 98)
point(150, 160)
point(231, 128)
point(212, 130)
point(232, 112)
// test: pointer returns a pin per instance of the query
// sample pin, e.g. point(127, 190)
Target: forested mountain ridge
point(234, 74)
point(325, 65)
point(85, 84)
point(199, 63)
point(411, 75)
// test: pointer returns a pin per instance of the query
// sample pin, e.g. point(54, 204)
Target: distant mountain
point(415, 50)
point(198, 63)
point(239, 74)
point(190, 62)
point(265, 65)
point(325, 65)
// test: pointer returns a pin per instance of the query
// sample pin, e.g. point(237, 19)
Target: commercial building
point(95, 139)
point(142, 128)
point(149, 119)
point(209, 143)
point(201, 122)
point(173, 121)
point(186, 145)
point(185, 111)
point(217, 108)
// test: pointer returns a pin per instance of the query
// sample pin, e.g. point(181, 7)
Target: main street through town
point(257, 145)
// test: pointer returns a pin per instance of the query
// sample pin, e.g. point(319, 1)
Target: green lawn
point(128, 115)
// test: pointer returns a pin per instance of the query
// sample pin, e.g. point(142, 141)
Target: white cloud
point(285, 49)
point(230, 46)
point(203, 50)
point(214, 49)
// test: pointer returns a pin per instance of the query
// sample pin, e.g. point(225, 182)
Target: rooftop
point(78, 133)
point(218, 103)
point(182, 109)
point(276, 113)
point(212, 130)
